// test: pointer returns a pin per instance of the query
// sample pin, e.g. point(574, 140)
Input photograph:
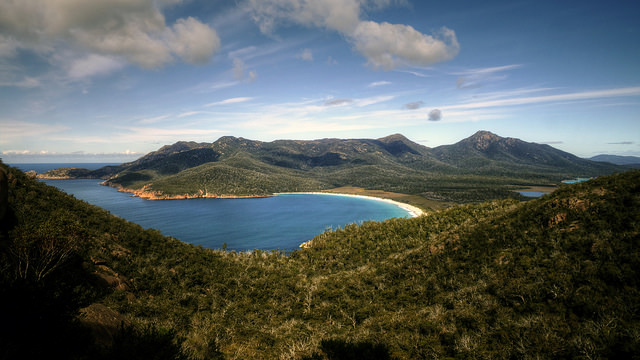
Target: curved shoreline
point(413, 211)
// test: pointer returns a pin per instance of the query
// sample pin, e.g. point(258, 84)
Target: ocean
point(282, 222)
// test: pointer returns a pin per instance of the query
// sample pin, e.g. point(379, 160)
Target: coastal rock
point(147, 194)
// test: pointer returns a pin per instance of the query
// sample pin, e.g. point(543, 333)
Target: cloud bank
point(384, 45)
point(133, 30)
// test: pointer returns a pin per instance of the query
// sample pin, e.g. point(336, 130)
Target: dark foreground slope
point(555, 277)
point(483, 166)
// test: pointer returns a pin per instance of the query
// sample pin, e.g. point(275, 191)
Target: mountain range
point(633, 161)
point(479, 167)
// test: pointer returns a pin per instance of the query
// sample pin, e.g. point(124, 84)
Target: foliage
point(555, 277)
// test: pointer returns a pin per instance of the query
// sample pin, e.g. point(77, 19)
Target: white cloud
point(165, 135)
point(379, 83)
point(11, 130)
point(238, 71)
point(92, 65)
point(230, 101)
point(134, 30)
point(306, 55)
point(193, 41)
point(191, 113)
point(576, 96)
point(391, 45)
point(474, 78)
point(27, 82)
point(384, 45)
point(155, 119)
point(373, 100)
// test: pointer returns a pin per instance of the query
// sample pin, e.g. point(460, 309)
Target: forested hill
point(483, 166)
point(555, 277)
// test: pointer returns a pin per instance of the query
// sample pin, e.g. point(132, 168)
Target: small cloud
point(229, 101)
point(336, 102)
point(435, 115)
point(154, 120)
point(474, 78)
point(414, 73)
point(373, 100)
point(621, 143)
point(331, 61)
point(413, 105)
point(238, 71)
point(552, 142)
point(306, 55)
point(93, 65)
point(190, 113)
point(253, 75)
point(28, 82)
point(379, 83)
point(467, 83)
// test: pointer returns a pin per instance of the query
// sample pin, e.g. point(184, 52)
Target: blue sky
point(107, 80)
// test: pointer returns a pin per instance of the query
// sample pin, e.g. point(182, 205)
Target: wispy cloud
point(155, 119)
point(575, 96)
point(191, 113)
point(11, 129)
point(622, 143)
point(338, 102)
point(373, 100)
point(413, 105)
point(235, 100)
point(306, 55)
point(379, 83)
point(474, 78)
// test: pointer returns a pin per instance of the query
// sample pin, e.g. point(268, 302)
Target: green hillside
point(481, 167)
point(555, 277)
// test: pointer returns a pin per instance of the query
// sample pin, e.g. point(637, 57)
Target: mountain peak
point(482, 140)
point(393, 137)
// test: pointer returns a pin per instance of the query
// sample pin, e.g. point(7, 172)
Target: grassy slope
point(550, 278)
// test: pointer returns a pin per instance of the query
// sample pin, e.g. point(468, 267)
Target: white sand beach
point(413, 211)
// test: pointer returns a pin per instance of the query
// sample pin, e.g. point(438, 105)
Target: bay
point(281, 222)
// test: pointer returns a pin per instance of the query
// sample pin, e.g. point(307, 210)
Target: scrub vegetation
point(555, 277)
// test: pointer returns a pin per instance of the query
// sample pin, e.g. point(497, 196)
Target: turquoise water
point(530, 193)
point(574, 181)
point(282, 222)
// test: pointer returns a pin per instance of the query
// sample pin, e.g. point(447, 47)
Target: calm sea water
point(281, 222)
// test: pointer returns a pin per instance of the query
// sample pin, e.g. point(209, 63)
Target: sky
point(111, 80)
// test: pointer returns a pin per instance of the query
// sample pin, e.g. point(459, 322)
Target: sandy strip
point(413, 211)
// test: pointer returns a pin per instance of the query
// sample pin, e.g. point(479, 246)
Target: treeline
point(551, 278)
